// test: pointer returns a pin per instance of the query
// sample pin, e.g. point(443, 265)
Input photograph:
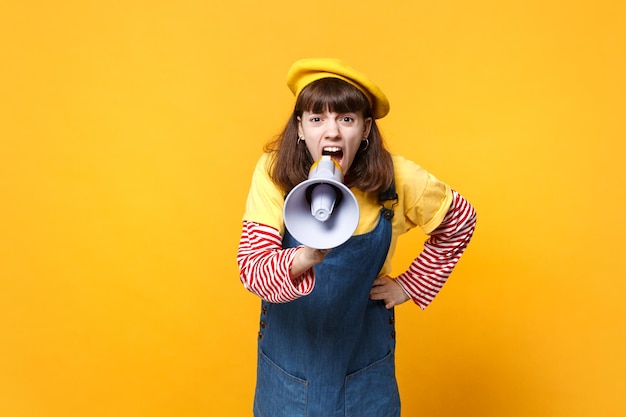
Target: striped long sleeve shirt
point(264, 264)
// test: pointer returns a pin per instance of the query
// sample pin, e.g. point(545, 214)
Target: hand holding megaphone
point(305, 259)
point(321, 212)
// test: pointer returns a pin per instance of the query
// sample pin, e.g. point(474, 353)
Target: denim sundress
point(332, 353)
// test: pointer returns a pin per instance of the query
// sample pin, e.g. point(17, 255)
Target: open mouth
point(335, 153)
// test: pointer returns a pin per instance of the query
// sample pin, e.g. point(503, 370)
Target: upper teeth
point(332, 149)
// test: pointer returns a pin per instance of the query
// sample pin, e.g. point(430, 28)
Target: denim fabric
point(331, 353)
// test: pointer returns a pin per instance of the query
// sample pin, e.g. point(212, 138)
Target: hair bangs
point(334, 95)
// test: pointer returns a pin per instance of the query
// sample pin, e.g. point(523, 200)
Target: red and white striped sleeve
point(430, 270)
point(264, 265)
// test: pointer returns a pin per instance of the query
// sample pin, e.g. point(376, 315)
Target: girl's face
point(336, 134)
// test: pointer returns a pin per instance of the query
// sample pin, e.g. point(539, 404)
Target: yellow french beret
point(305, 71)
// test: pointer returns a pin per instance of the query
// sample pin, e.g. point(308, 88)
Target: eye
point(347, 119)
point(315, 119)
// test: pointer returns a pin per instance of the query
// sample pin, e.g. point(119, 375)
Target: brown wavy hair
point(372, 169)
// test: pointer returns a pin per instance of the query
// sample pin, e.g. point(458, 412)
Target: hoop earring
point(300, 139)
point(367, 144)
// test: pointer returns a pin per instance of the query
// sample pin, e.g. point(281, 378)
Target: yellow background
point(128, 134)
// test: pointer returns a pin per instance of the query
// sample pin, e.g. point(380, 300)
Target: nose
point(332, 129)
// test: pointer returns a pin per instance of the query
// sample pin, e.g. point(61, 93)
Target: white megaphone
point(321, 212)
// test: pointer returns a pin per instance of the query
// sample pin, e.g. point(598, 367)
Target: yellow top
point(423, 202)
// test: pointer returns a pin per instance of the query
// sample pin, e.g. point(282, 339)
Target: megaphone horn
point(321, 212)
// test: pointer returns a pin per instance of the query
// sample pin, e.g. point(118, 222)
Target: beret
point(303, 72)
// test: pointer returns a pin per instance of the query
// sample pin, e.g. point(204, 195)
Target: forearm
point(430, 270)
point(264, 266)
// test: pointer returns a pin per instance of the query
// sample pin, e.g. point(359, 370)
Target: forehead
point(328, 111)
point(334, 95)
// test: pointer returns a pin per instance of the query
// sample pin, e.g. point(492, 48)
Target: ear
point(300, 131)
point(368, 127)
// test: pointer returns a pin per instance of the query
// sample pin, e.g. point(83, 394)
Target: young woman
point(327, 338)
